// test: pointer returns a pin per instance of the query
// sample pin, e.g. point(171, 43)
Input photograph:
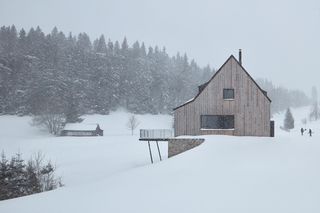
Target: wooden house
point(230, 103)
point(80, 129)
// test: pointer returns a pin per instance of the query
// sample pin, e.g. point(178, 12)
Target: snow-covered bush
point(19, 178)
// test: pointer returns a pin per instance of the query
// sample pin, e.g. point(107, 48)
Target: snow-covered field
point(225, 174)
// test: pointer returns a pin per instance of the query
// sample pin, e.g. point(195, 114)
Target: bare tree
point(132, 123)
point(52, 122)
point(44, 172)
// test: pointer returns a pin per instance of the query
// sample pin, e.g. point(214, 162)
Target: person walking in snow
point(302, 131)
point(310, 132)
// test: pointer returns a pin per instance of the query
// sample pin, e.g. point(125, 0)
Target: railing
point(155, 133)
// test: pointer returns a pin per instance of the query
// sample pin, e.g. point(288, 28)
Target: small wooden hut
point(79, 129)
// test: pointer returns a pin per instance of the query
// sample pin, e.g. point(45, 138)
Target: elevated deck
point(155, 134)
point(175, 145)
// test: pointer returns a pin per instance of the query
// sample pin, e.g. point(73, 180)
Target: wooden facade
point(250, 105)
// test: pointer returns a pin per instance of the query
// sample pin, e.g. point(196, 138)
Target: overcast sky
point(279, 38)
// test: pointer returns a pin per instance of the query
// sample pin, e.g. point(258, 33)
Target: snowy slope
point(84, 159)
point(225, 174)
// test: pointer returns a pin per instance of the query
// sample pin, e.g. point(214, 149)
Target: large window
point(228, 94)
point(217, 121)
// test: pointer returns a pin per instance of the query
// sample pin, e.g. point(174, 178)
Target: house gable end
point(203, 86)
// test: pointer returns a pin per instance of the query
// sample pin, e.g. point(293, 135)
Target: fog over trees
point(315, 110)
point(70, 75)
point(282, 98)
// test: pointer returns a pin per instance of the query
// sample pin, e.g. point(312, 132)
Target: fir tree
point(110, 46)
point(5, 175)
point(288, 122)
point(84, 42)
point(100, 45)
point(124, 45)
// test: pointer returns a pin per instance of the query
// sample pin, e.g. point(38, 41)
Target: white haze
point(279, 38)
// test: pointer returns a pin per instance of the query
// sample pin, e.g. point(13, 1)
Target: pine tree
point(84, 42)
point(4, 177)
point(124, 45)
point(110, 47)
point(117, 48)
point(143, 50)
point(17, 180)
point(22, 43)
point(100, 45)
point(288, 122)
point(136, 49)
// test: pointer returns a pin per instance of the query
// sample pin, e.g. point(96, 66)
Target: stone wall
point(179, 145)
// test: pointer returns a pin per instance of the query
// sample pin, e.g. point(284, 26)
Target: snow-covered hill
point(225, 174)
point(84, 159)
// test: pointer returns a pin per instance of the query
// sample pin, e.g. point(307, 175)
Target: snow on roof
point(80, 126)
point(189, 100)
point(185, 103)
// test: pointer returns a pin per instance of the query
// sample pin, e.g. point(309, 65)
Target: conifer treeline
point(72, 75)
point(282, 98)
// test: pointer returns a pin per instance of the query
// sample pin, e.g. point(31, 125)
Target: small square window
point(228, 94)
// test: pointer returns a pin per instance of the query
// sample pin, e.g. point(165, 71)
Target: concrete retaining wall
point(179, 145)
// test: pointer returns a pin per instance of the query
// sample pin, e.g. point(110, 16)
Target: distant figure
point(310, 132)
point(302, 131)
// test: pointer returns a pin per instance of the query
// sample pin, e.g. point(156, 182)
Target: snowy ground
point(225, 174)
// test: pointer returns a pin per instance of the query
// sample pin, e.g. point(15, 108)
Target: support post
point(150, 152)
point(159, 151)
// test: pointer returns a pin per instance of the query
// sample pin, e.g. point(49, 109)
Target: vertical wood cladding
point(250, 107)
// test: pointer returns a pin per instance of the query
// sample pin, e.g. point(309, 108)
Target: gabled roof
point(203, 86)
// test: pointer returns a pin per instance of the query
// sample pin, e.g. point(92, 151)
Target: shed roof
point(80, 126)
point(203, 86)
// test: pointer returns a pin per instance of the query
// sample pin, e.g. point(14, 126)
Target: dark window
point(228, 93)
point(217, 121)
